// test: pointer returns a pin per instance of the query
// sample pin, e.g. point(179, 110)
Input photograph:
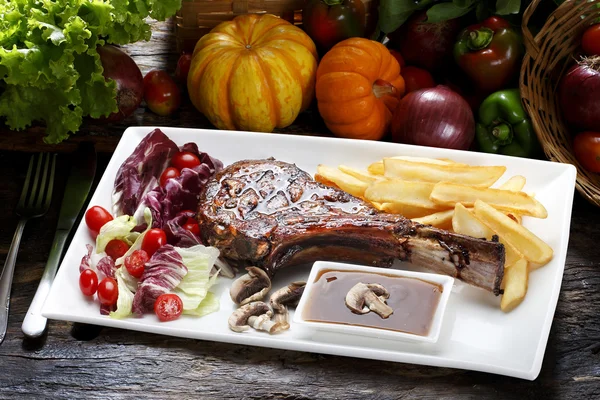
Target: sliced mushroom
point(363, 298)
point(256, 315)
point(284, 297)
point(250, 287)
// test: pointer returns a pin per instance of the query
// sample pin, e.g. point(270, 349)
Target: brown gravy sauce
point(414, 301)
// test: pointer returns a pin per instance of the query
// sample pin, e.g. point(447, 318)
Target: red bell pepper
point(490, 53)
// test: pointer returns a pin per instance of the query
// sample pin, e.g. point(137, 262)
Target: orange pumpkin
point(358, 87)
point(256, 73)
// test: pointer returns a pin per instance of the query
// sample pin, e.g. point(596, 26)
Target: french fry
point(515, 183)
point(362, 175)
point(408, 211)
point(515, 217)
point(448, 194)
point(465, 223)
point(515, 285)
point(376, 168)
point(440, 219)
point(403, 192)
point(342, 180)
point(529, 245)
point(457, 173)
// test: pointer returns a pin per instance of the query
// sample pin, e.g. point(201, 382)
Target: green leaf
point(505, 7)
point(482, 10)
point(394, 13)
point(445, 11)
point(464, 3)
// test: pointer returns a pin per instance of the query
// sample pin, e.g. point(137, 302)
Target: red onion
point(435, 117)
point(579, 94)
point(130, 83)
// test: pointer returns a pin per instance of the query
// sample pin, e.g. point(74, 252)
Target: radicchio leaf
point(140, 172)
point(177, 235)
point(163, 272)
point(106, 266)
point(86, 261)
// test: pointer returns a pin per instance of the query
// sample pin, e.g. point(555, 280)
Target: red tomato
point(416, 78)
point(95, 218)
point(161, 92)
point(88, 282)
point(586, 147)
point(153, 240)
point(192, 225)
point(135, 263)
point(168, 174)
point(168, 307)
point(399, 58)
point(185, 159)
point(591, 41)
point(183, 68)
point(116, 248)
point(108, 291)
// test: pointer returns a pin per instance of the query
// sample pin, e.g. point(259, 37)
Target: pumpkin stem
point(383, 88)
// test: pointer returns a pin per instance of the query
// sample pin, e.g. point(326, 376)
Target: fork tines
point(37, 189)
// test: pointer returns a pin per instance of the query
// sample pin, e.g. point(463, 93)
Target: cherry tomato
point(192, 225)
point(88, 282)
point(108, 291)
point(168, 307)
point(399, 58)
point(416, 78)
point(135, 263)
point(161, 93)
point(183, 68)
point(591, 41)
point(116, 248)
point(95, 218)
point(168, 174)
point(185, 159)
point(153, 240)
point(586, 147)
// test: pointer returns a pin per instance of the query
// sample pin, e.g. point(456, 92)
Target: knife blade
point(79, 182)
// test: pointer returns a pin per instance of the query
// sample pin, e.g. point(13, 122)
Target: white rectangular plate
point(475, 335)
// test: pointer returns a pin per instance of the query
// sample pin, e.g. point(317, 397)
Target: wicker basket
point(197, 17)
point(548, 56)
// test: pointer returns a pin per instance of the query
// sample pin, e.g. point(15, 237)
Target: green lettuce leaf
point(210, 304)
point(125, 299)
point(50, 70)
point(194, 286)
point(118, 228)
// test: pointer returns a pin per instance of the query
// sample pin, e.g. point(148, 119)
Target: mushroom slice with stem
point(363, 298)
point(284, 297)
point(250, 287)
point(256, 315)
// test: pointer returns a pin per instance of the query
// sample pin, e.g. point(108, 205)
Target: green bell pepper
point(504, 127)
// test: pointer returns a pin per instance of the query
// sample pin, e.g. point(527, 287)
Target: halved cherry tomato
point(168, 307)
point(168, 174)
point(95, 218)
point(161, 93)
point(185, 159)
point(135, 263)
point(108, 292)
point(88, 282)
point(586, 147)
point(416, 78)
point(116, 248)
point(153, 240)
point(590, 42)
point(192, 225)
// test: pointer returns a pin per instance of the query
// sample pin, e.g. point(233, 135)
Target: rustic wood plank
point(76, 361)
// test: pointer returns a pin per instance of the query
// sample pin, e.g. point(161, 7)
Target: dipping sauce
point(414, 301)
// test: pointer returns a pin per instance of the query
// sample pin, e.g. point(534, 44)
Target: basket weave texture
point(549, 54)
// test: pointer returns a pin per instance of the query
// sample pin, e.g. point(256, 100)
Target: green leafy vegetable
point(194, 286)
point(210, 304)
point(125, 299)
point(49, 67)
point(118, 228)
point(445, 11)
point(505, 7)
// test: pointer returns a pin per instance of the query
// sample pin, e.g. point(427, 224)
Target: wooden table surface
point(77, 361)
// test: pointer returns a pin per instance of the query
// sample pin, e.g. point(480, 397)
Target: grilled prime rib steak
point(271, 214)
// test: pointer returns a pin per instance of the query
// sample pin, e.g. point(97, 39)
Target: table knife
point(83, 170)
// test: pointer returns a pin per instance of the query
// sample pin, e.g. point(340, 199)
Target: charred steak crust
point(271, 214)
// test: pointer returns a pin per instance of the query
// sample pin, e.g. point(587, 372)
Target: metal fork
point(34, 202)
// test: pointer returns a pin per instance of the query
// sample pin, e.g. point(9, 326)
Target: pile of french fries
point(456, 197)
